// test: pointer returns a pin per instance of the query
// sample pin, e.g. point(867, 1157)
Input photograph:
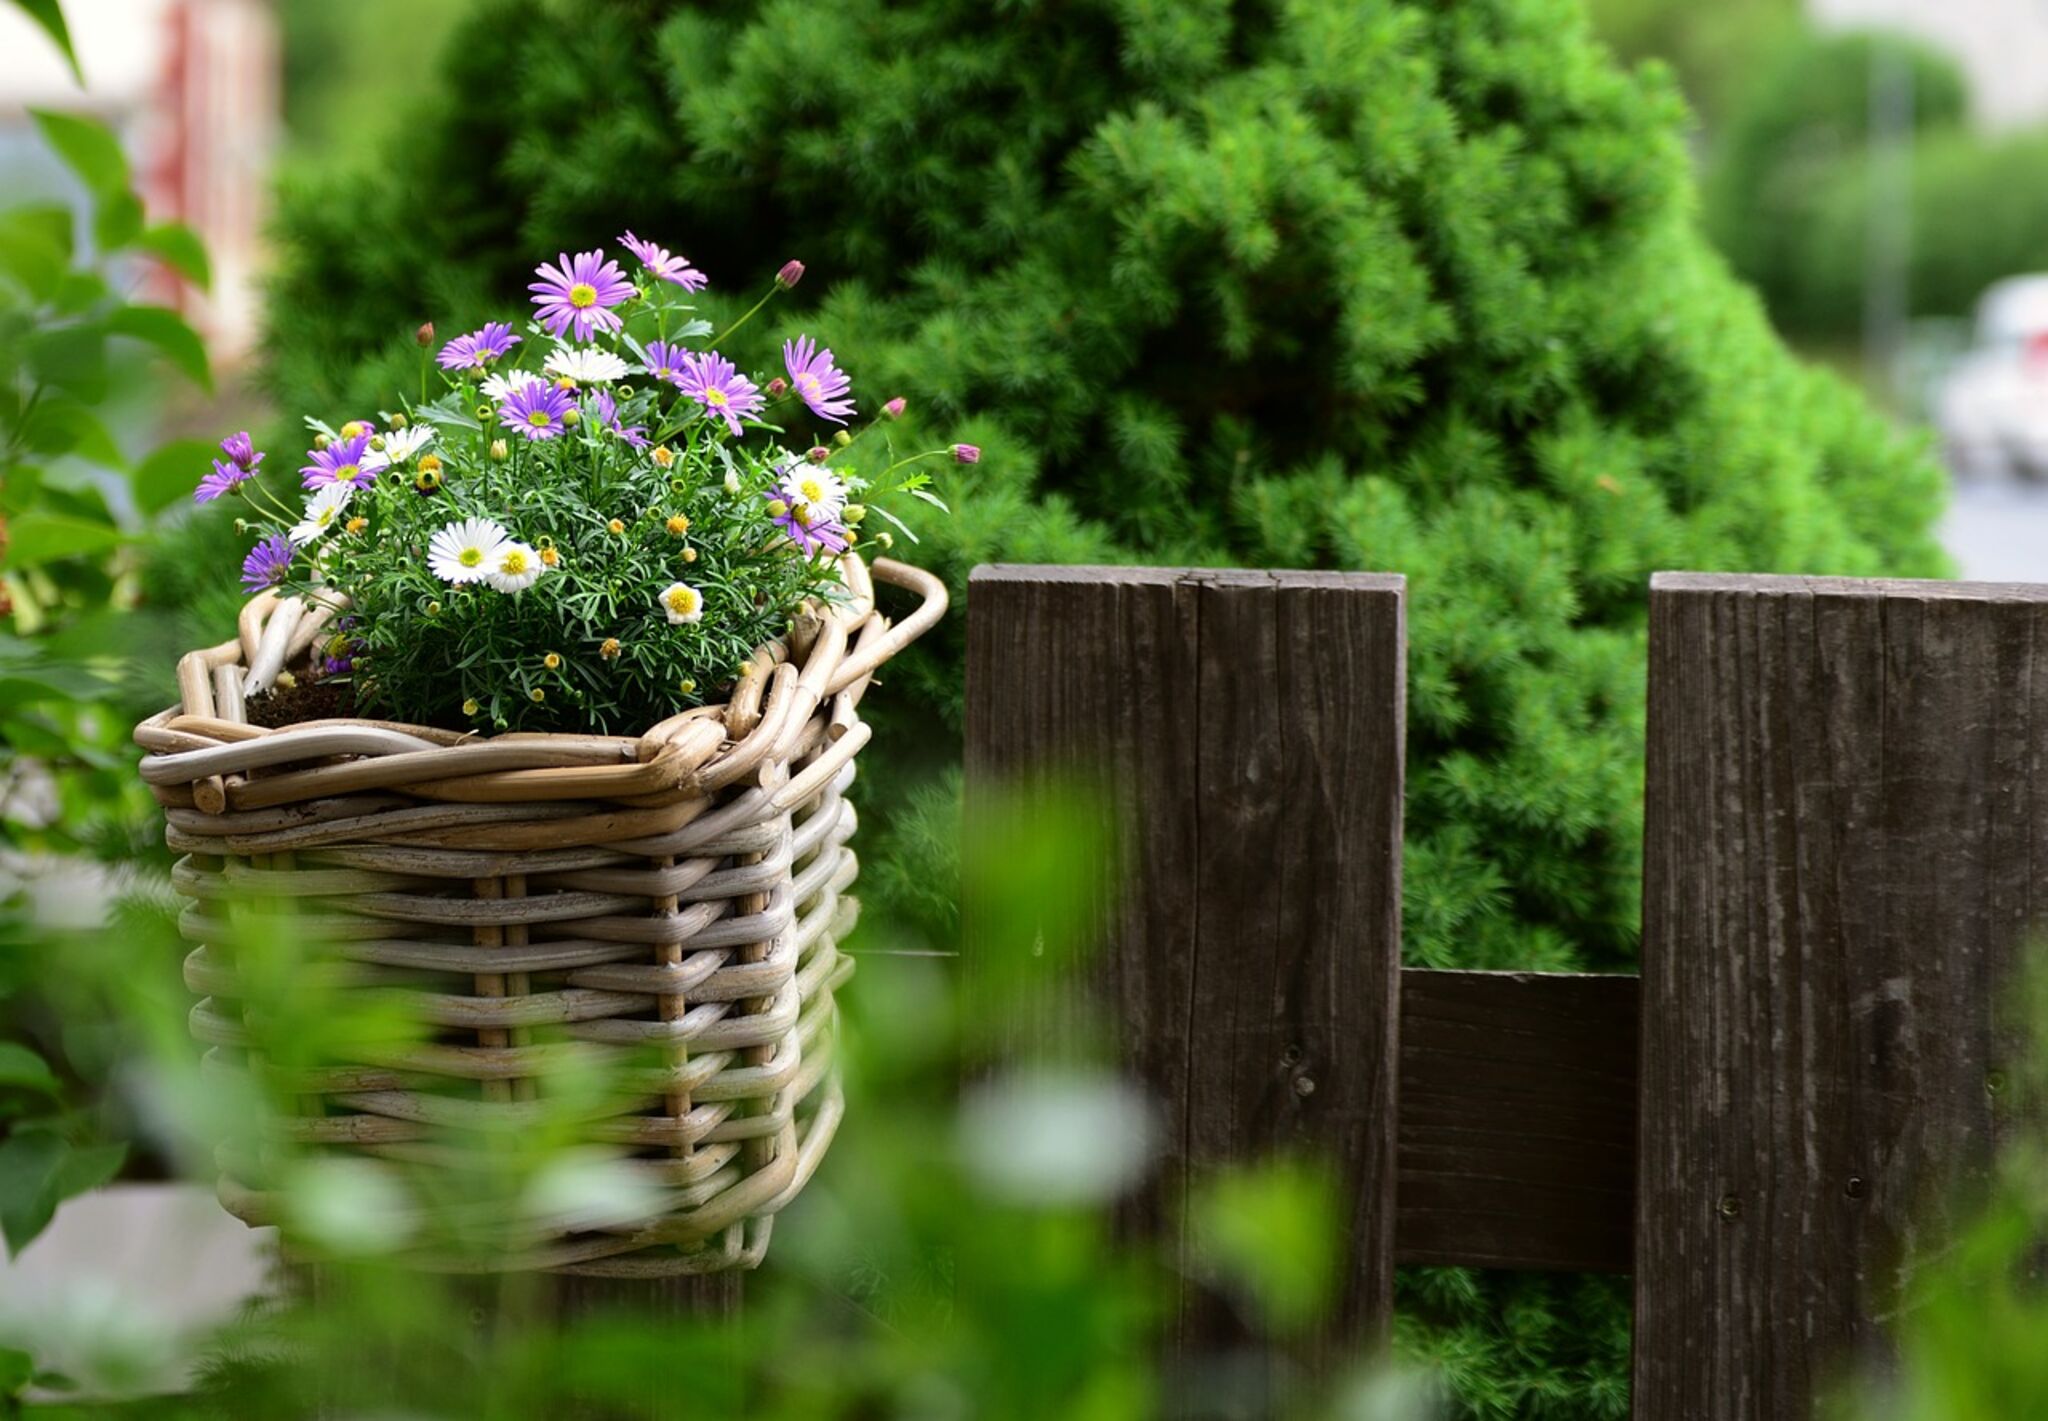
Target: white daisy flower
point(586, 365)
point(322, 509)
point(466, 551)
point(514, 567)
point(682, 603)
point(501, 387)
point(732, 480)
point(819, 492)
point(399, 445)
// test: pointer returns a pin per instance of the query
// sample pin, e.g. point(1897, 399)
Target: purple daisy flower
point(341, 462)
point(241, 451)
point(813, 376)
point(716, 383)
point(802, 523)
point(665, 361)
point(536, 410)
point(479, 348)
point(606, 411)
point(267, 563)
point(662, 263)
point(225, 478)
point(579, 294)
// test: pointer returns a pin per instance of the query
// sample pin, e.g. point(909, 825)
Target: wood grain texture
point(1845, 794)
point(1248, 727)
point(1518, 1120)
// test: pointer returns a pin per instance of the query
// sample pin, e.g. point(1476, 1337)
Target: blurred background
point(1873, 167)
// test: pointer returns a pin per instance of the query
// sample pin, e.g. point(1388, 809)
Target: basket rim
point(827, 657)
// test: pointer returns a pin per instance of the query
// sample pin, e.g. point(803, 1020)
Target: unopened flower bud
point(486, 414)
point(398, 421)
point(777, 508)
point(286, 681)
point(732, 481)
point(572, 415)
point(552, 661)
point(377, 443)
point(500, 451)
point(470, 707)
point(686, 685)
point(777, 388)
point(966, 453)
point(433, 609)
point(663, 455)
point(895, 408)
point(425, 334)
point(537, 695)
point(842, 438)
point(885, 540)
point(689, 554)
point(853, 514)
point(321, 441)
point(792, 272)
point(818, 454)
point(616, 526)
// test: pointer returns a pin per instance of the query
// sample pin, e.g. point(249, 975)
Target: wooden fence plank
point(1847, 809)
point(1250, 726)
point(1518, 1120)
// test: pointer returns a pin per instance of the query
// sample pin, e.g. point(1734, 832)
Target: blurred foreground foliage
point(75, 350)
point(954, 1257)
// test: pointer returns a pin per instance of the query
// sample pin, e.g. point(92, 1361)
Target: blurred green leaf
point(118, 221)
point(30, 255)
point(170, 473)
point(89, 149)
point(84, 1169)
point(17, 1369)
point(178, 247)
point(72, 357)
point(45, 537)
point(50, 16)
point(1272, 1231)
point(166, 330)
point(29, 1161)
point(62, 425)
point(23, 1069)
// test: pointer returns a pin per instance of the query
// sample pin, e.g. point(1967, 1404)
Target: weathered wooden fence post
point(1847, 807)
point(1250, 725)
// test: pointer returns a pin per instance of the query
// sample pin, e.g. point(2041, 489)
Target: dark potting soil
point(316, 700)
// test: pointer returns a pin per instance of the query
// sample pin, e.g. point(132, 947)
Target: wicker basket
point(679, 892)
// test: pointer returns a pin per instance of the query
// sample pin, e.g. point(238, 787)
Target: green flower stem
point(751, 311)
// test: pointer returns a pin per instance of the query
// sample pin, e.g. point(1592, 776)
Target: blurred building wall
point(191, 86)
point(2002, 46)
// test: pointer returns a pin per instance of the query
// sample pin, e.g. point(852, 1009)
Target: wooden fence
point(1846, 816)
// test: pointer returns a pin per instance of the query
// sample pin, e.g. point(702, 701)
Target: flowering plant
point(591, 524)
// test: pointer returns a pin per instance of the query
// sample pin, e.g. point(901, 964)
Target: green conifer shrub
point(1355, 283)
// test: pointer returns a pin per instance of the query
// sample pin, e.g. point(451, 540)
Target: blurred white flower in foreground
point(1057, 1137)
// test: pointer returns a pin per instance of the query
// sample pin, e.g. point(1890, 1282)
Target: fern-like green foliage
point(1359, 283)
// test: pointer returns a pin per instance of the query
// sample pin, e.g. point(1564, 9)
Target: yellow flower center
point(514, 563)
point(812, 490)
point(346, 473)
point(807, 384)
point(716, 398)
point(582, 294)
point(471, 557)
point(540, 419)
point(682, 601)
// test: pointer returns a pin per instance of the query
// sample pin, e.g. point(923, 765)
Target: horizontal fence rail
point(1842, 821)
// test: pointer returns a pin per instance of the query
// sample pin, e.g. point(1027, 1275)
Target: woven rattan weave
point(679, 895)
